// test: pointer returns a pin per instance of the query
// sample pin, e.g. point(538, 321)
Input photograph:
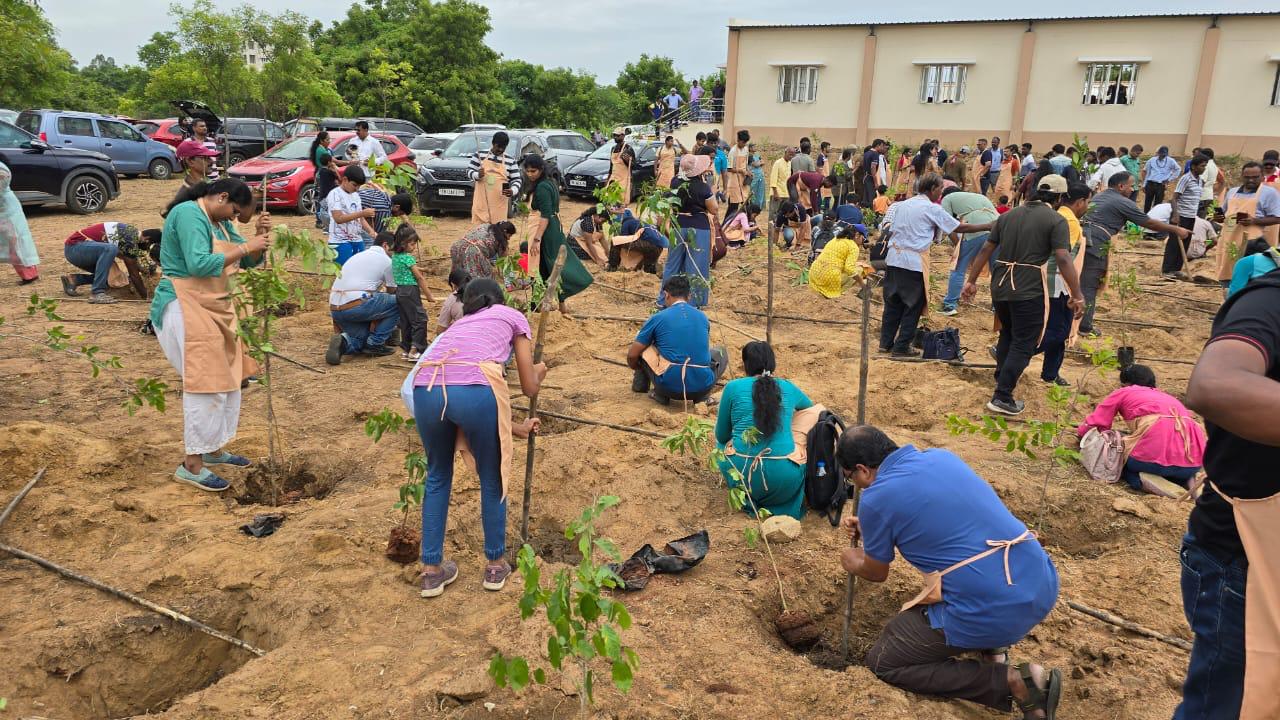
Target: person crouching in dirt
point(999, 583)
point(196, 323)
point(767, 462)
point(460, 392)
point(671, 353)
point(642, 242)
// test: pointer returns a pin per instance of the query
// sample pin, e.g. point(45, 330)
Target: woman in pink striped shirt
point(1170, 442)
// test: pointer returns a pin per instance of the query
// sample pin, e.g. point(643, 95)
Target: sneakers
point(101, 298)
point(433, 584)
point(410, 355)
point(1006, 408)
point(205, 479)
point(949, 312)
point(222, 457)
point(377, 351)
point(495, 576)
point(1059, 381)
point(337, 348)
point(908, 353)
point(69, 286)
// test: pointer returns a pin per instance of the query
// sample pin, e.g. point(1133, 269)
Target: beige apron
point(1008, 267)
point(213, 357)
point(1258, 522)
point(488, 204)
point(629, 258)
point(660, 365)
point(802, 421)
point(925, 265)
point(501, 396)
point(666, 167)
point(931, 582)
point(735, 185)
point(621, 174)
point(975, 171)
point(1234, 235)
point(117, 274)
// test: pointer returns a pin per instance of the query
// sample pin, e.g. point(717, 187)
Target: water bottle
point(822, 469)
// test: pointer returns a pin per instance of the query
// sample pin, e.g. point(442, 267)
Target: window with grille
point(942, 83)
point(1110, 83)
point(797, 84)
point(1275, 88)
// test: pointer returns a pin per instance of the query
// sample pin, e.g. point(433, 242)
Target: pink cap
point(188, 149)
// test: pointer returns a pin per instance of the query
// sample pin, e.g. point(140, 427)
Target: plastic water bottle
point(822, 469)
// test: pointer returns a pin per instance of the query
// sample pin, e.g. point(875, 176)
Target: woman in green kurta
point(548, 236)
point(765, 405)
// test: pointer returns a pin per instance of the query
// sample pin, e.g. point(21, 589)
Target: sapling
point(402, 538)
point(1127, 292)
point(143, 391)
point(802, 274)
point(259, 292)
point(583, 623)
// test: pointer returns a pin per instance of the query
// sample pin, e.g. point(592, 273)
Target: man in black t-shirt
point(870, 171)
point(1236, 387)
point(1022, 241)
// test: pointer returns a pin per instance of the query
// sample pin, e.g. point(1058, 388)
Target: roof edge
point(747, 24)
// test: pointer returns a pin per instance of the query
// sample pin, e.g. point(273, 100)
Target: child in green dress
point(410, 288)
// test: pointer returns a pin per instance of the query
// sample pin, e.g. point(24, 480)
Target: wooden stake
point(864, 367)
point(1129, 625)
point(599, 423)
point(553, 284)
point(8, 509)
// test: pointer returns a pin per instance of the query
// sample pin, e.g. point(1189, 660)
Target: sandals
point(1045, 699)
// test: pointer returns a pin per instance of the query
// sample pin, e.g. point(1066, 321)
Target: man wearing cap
point(198, 159)
point(347, 215)
point(497, 179)
point(1022, 240)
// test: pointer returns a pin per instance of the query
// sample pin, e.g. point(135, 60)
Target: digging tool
point(550, 296)
point(863, 367)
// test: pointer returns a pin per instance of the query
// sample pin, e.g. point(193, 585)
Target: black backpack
point(942, 344)
point(828, 493)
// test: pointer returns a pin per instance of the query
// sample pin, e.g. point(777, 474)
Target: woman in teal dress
point(764, 404)
point(548, 236)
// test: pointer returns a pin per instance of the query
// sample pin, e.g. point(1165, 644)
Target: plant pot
point(797, 630)
point(1125, 354)
point(403, 544)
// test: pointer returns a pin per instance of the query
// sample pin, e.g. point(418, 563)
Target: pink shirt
point(485, 336)
point(1162, 444)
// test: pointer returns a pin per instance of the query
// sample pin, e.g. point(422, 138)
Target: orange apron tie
point(1258, 522)
point(931, 590)
point(1008, 266)
point(488, 204)
point(660, 365)
point(1235, 236)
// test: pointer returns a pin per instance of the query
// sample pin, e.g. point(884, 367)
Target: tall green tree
point(210, 65)
point(294, 82)
point(558, 97)
point(34, 70)
point(645, 80)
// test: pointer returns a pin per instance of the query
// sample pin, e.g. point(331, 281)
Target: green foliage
point(583, 623)
point(802, 277)
point(415, 463)
point(647, 79)
point(35, 70)
point(1081, 145)
point(294, 82)
point(556, 97)
point(1127, 289)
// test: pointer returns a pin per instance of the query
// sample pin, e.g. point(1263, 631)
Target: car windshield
point(296, 149)
point(427, 143)
point(604, 151)
point(465, 145)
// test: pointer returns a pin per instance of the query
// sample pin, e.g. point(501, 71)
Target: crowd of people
point(1043, 229)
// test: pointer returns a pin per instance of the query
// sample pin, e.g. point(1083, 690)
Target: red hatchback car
point(166, 131)
point(292, 182)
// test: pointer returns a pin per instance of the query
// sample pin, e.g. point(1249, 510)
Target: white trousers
point(209, 420)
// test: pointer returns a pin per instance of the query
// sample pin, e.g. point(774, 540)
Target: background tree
point(210, 65)
point(647, 79)
point(294, 82)
point(35, 70)
point(558, 97)
point(457, 72)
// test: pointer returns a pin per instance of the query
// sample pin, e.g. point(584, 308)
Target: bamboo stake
point(119, 300)
point(625, 318)
point(1173, 361)
point(8, 509)
point(953, 363)
point(134, 321)
point(599, 423)
point(125, 595)
point(1141, 252)
point(553, 284)
point(768, 327)
point(1129, 625)
point(864, 367)
point(625, 291)
point(291, 361)
point(1178, 297)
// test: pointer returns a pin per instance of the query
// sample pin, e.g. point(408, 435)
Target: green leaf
point(540, 676)
point(622, 677)
point(555, 652)
point(498, 670)
point(518, 673)
point(588, 679)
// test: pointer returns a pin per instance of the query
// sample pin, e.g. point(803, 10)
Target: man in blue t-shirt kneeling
point(988, 581)
point(672, 356)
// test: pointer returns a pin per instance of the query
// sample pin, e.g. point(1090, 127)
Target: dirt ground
point(347, 635)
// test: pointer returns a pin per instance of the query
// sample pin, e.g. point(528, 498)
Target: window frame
point(68, 120)
point(798, 84)
point(124, 131)
point(1275, 87)
point(938, 81)
point(1093, 83)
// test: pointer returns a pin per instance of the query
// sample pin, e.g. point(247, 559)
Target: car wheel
point(86, 194)
point(235, 159)
point(160, 169)
point(307, 199)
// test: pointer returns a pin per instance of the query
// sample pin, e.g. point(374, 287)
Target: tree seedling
point(582, 622)
point(403, 543)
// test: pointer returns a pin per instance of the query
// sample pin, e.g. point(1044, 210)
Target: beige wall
point(1242, 81)
point(989, 87)
point(1165, 85)
point(756, 103)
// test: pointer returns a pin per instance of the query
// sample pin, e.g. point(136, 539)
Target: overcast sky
point(598, 36)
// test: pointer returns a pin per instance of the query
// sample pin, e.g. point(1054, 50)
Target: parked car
point(566, 147)
point(8, 115)
point(166, 131)
point(43, 174)
point(404, 130)
point(443, 184)
point(429, 145)
point(130, 151)
point(582, 179)
point(292, 175)
point(478, 126)
point(244, 138)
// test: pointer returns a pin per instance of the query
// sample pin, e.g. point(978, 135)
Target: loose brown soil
point(349, 638)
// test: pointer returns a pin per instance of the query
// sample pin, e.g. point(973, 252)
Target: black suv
point(246, 138)
point(582, 179)
point(43, 175)
point(443, 184)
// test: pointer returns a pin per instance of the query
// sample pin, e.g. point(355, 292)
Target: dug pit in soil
point(797, 629)
point(268, 484)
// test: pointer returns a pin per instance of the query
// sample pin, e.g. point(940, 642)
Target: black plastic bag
point(677, 556)
point(263, 525)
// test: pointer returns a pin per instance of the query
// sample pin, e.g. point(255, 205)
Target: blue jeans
point(1179, 475)
point(346, 250)
point(472, 409)
point(379, 308)
point(1213, 600)
point(692, 259)
point(969, 248)
point(96, 257)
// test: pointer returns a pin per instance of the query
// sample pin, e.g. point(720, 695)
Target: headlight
point(279, 184)
point(425, 172)
point(602, 176)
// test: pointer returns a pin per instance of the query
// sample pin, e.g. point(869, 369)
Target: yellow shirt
point(837, 262)
point(1075, 233)
point(778, 175)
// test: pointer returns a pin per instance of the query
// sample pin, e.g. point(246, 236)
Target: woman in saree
point(16, 242)
point(1009, 167)
point(757, 176)
point(691, 254)
point(477, 252)
point(664, 167)
point(548, 236)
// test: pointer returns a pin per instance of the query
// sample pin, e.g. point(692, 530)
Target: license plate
point(454, 192)
point(578, 183)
